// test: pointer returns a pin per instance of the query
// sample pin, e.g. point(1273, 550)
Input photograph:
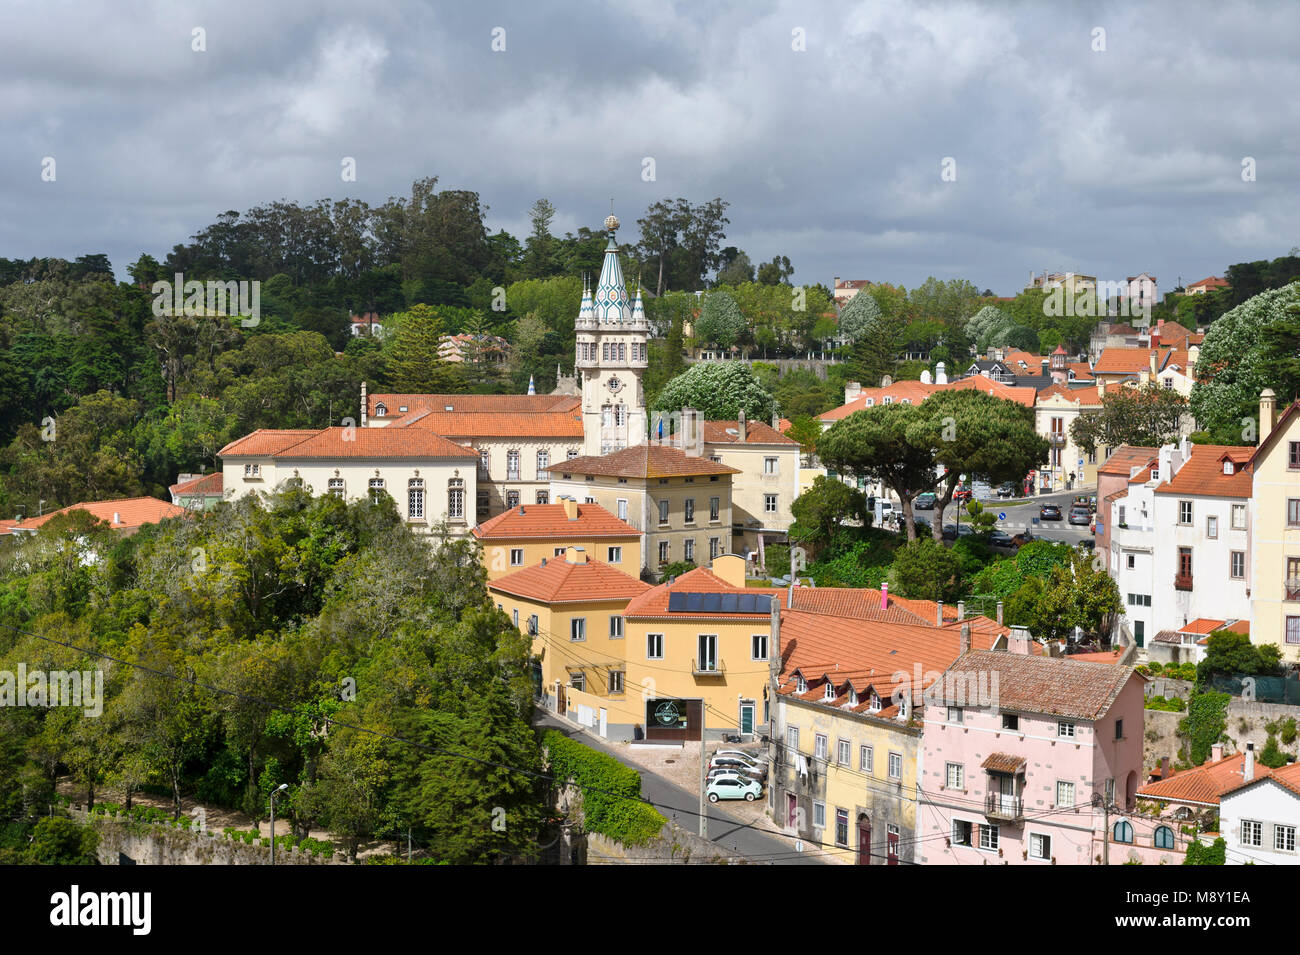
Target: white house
point(1259, 817)
point(1180, 543)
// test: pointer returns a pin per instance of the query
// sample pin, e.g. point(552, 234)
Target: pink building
point(1016, 748)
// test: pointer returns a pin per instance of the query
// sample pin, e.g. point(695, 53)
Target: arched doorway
point(864, 839)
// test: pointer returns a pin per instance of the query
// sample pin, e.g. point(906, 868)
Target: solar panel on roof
point(711, 603)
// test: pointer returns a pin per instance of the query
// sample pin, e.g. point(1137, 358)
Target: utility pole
point(704, 812)
point(1105, 827)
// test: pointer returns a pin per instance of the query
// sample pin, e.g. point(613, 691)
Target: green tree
point(720, 322)
point(806, 430)
point(719, 390)
point(927, 570)
point(57, 841)
point(822, 508)
point(1143, 417)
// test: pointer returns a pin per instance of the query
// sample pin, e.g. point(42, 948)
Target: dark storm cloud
point(1108, 162)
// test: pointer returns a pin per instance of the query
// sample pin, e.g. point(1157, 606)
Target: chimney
point(852, 389)
point(575, 555)
point(961, 610)
point(1101, 387)
point(1155, 354)
point(543, 561)
point(740, 425)
point(1164, 767)
point(776, 421)
point(364, 403)
point(884, 595)
point(938, 614)
point(570, 508)
point(1019, 641)
point(1248, 766)
point(965, 638)
point(940, 374)
point(1216, 752)
point(1267, 410)
point(999, 613)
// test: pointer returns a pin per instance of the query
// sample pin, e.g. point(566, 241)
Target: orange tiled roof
point(864, 604)
point(500, 404)
point(1287, 776)
point(558, 581)
point(1015, 356)
point(1203, 625)
point(208, 484)
point(1049, 685)
point(1097, 656)
point(1126, 457)
point(1202, 473)
point(1080, 396)
point(134, 512)
point(265, 442)
point(642, 461)
point(864, 653)
point(550, 520)
point(493, 424)
point(1202, 785)
point(1126, 361)
point(785, 424)
point(1003, 763)
point(915, 392)
point(1082, 370)
point(756, 432)
point(354, 443)
point(701, 580)
point(1210, 284)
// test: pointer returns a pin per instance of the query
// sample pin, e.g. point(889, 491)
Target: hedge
point(611, 792)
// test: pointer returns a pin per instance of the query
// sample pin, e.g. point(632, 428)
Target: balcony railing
point(998, 806)
point(707, 667)
point(1182, 581)
point(1056, 439)
point(1292, 587)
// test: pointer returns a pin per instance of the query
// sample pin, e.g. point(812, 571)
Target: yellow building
point(1275, 502)
point(1056, 410)
point(574, 609)
point(523, 536)
point(681, 502)
point(845, 737)
point(697, 654)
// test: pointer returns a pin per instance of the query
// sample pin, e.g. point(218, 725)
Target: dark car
point(1079, 514)
point(1007, 490)
point(1049, 512)
point(1023, 538)
point(1000, 538)
point(924, 502)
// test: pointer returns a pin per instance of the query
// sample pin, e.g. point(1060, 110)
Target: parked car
point(742, 766)
point(924, 502)
point(756, 759)
point(1000, 538)
point(1079, 514)
point(721, 771)
point(1023, 538)
point(1049, 512)
point(1007, 490)
point(950, 532)
point(733, 787)
point(1087, 544)
point(1090, 502)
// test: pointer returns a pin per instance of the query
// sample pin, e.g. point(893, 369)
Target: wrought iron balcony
point(707, 667)
point(1182, 581)
point(1007, 808)
point(1056, 439)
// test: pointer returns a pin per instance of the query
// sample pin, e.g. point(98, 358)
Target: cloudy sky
point(1107, 161)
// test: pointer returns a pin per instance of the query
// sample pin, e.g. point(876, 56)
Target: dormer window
point(875, 703)
point(801, 684)
point(853, 697)
point(1227, 466)
point(381, 410)
point(830, 692)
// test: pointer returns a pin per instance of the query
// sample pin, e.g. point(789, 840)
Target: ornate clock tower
point(611, 357)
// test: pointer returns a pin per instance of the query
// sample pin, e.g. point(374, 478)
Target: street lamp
point(282, 788)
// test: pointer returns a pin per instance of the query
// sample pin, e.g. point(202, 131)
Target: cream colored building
point(528, 534)
point(1275, 518)
point(766, 485)
point(430, 478)
point(681, 503)
point(1056, 410)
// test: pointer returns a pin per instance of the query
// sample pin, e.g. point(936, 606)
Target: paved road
point(1021, 512)
point(682, 807)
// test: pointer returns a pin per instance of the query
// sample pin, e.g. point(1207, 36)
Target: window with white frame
point(484, 458)
point(1239, 517)
point(614, 555)
point(829, 693)
point(688, 549)
point(1284, 838)
point(516, 557)
point(800, 684)
point(1212, 527)
point(758, 646)
point(654, 646)
point(1064, 795)
point(1237, 564)
point(715, 547)
point(769, 465)
point(514, 617)
point(819, 815)
point(956, 776)
point(570, 454)
point(1252, 833)
point(866, 759)
point(663, 512)
point(543, 461)
point(689, 511)
point(895, 765)
point(715, 507)
point(615, 627)
point(819, 746)
point(376, 488)
point(615, 682)
point(415, 499)
point(843, 751)
point(578, 629)
point(989, 837)
point(961, 832)
point(336, 488)
point(252, 470)
point(1184, 512)
point(543, 497)
point(792, 738)
point(456, 500)
point(621, 506)
point(663, 552)
point(512, 465)
point(1040, 846)
point(769, 503)
point(1065, 729)
point(578, 680)
point(512, 500)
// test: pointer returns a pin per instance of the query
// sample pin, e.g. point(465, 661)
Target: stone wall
point(1245, 724)
point(160, 844)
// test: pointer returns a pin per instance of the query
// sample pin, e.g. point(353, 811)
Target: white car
point(743, 766)
point(733, 787)
point(759, 760)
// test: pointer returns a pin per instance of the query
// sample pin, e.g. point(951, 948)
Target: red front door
point(792, 811)
point(864, 842)
point(893, 849)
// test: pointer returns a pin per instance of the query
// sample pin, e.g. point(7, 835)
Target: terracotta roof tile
point(642, 461)
point(550, 520)
point(1202, 785)
point(915, 392)
point(1287, 776)
point(756, 432)
point(264, 442)
point(1126, 457)
point(1051, 686)
point(701, 580)
point(1003, 763)
point(208, 484)
point(364, 443)
point(558, 581)
point(1203, 625)
point(134, 512)
point(1202, 473)
point(500, 404)
point(493, 424)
